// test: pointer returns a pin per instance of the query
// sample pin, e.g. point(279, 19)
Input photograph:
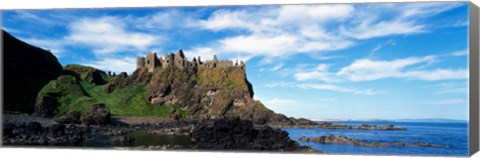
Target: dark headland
point(209, 101)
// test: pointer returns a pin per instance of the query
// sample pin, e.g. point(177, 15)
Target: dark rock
point(123, 140)
point(26, 70)
point(97, 114)
point(340, 140)
point(34, 128)
point(176, 115)
point(118, 81)
point(56, 130)
point(7, 129)
point(89, 74)
point(420, 144)
point(237, 134)
point(71, 117)
point(46, 105)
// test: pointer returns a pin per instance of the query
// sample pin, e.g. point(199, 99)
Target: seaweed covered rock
point(97, 114)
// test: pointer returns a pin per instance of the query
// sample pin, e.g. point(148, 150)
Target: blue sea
point(452, 135)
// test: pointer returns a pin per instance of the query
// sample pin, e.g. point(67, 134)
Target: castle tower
point(140, 63)
point(168, 59)
point(151, 61)
point(179, 60)
point(215, 60)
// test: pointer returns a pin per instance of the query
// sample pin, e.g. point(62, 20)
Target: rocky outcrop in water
point(26, 70)
point(340, 140)
point(237, 134)
point(345, 140)
point(362, 127)
point(420, 144)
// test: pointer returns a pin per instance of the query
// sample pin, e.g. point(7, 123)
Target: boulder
point(33, 128)
point(118, 81)
point(7, 129)
point(97, 114)
point(237, 134)
point(71, 117)
point(56, 130)
point(89, 74)
point(46, 105)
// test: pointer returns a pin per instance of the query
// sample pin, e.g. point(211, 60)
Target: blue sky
point(348, 61)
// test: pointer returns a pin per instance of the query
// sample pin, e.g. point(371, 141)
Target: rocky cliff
point(205, 93)
point(26, 70)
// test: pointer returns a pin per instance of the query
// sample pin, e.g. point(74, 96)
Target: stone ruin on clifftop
point(151, 61)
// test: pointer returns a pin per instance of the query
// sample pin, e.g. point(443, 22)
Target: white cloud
point(384, 28)
point(450, 87)
point(126, 64)
point(336, 88)
point(107, 35)
point(29, 16)
point(369, 70)
point(56, 47)
point(277, 67)
point(319, 73)
point(460, 53)
point(447, 102)
point(275, 32)
point(280, 84)
point(279, 102)
point(437, 74)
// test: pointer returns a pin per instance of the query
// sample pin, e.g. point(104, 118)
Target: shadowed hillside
point(26, 70)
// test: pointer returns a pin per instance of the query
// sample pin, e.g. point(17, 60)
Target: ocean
point(452, 135)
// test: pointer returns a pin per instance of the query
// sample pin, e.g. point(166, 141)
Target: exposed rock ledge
point(336, 126)
point(345, 140)
point(340, 140)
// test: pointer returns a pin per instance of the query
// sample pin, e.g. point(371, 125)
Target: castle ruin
point(151, 61)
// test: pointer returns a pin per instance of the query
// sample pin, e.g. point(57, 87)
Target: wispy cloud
point(336, 88)
point(106, 35)
point(29, 16)
point(447, 102)
point(125, 64)
point(279, 102)
point(57, 47)
point(369, 70)
point(463, 52)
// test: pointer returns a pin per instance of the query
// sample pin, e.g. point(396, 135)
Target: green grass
point(127, 101)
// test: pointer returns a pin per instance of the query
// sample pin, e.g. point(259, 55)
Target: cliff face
point(205, 93)
point(26, 69)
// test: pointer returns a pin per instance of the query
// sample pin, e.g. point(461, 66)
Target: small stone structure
point(178, 60)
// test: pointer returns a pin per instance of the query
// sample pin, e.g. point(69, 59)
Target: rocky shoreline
point(227, 134)
point(216, 134)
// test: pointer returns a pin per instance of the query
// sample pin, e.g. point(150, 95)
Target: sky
point(336, 61)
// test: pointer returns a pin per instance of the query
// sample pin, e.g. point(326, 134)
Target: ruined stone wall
point(140, 62)
point(151, 61)
point(178, 60)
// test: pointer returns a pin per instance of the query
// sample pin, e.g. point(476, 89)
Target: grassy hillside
point(78, 94)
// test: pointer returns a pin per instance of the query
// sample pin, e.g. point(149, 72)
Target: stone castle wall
point(151, 61)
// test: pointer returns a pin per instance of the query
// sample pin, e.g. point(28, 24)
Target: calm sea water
point(452, 135)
